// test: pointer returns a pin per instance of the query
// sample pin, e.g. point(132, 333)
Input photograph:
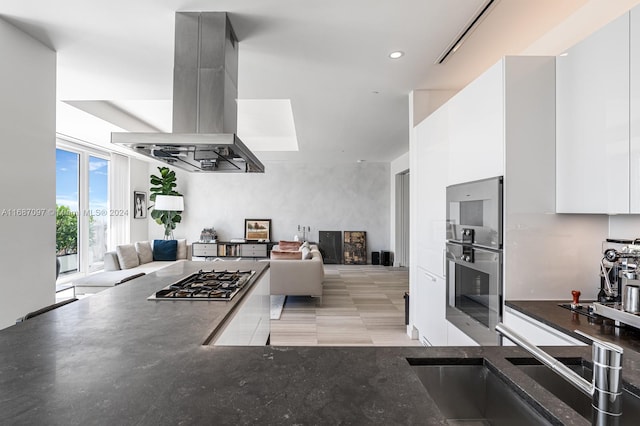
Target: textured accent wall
point(327, 197)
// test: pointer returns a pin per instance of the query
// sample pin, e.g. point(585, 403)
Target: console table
point(251, 249)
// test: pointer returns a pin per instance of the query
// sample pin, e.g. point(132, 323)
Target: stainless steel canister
point(631, 301)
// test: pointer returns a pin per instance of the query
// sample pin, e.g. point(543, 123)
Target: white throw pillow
point(127, 256)
point(182, 249)
point(306, 253)
point(145, 253)
point(111, 261)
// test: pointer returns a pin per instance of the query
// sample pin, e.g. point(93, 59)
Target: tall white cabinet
point(430, 178)
point(429, 173)
point(508, 112)
point(593, 81)
point(634, 110)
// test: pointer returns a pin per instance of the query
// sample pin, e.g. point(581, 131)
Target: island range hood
point(205, 112)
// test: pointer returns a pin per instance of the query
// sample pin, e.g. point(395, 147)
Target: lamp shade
point(172, 203)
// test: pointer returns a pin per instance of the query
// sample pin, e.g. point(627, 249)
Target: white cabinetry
point(430, 316)
point(250, 321)
point(476, 131)
point(430, 174)
point(634, 131)
point(592, 123)
point(253, 250)
point(431, 150)
point(507, 113)
point(536, 332)
point(204, 250)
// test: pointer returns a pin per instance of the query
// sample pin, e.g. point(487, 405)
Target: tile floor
point(362, 305)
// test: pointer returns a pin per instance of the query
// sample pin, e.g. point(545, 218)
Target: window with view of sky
point(99, 209)
point(73, 207)
point(67, 205)
point(67, 179)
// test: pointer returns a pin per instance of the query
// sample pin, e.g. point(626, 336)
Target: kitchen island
point(118, 358)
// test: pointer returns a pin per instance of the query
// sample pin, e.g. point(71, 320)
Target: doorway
point(402, 219)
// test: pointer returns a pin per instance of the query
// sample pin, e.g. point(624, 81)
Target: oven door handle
point(444, 262)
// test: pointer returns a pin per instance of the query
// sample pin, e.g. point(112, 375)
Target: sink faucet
point(605, 389)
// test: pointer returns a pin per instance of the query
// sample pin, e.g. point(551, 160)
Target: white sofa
point(116, 271)
point(298, 277)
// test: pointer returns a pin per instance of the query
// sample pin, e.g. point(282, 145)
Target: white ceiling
point(329, 58)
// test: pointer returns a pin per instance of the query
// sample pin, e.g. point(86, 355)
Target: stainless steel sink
point(571, 395)
point(467, 391)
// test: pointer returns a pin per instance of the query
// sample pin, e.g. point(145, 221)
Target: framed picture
point(355, 247)
point(257, 229)
point(139, 204)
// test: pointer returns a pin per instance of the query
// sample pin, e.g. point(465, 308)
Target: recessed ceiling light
point(564, 54)
point(397, 54)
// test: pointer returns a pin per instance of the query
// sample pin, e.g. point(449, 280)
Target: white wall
point(341, 197)
point(27, 132)
point(585, 21)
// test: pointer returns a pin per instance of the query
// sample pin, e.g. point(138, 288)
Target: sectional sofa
point(296, 275)
point(130, 261)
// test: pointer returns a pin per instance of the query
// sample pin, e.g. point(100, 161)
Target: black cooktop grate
point(205, 285)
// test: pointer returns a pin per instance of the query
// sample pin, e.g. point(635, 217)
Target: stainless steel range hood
point(205, 89)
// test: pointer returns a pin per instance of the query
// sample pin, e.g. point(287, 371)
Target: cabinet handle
point(432, 277)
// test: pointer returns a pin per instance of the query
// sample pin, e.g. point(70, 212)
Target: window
point(67, 207)
point(98, 208)
point(82, 201)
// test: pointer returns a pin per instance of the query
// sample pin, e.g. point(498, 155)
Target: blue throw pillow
point(165, 249)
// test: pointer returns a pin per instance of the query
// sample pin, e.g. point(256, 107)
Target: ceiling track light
point(482, 12)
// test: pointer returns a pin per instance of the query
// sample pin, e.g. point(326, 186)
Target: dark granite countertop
point(116, 358)
point(566, 321)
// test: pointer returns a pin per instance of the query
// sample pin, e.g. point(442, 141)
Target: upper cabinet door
point(476, 128)
point(634, 159)
point(592, 123)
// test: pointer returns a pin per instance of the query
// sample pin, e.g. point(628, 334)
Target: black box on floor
point(375, 257)
point(406, 308)
point(385, 258)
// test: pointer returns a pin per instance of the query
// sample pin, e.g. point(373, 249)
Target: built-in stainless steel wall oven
point(474, 258)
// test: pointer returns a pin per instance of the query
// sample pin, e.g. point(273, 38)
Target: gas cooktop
point(205, 285)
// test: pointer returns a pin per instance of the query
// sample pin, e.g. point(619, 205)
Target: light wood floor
point(362, 305)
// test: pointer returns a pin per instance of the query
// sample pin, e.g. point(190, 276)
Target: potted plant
point(66, 239)
point(165, 184)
